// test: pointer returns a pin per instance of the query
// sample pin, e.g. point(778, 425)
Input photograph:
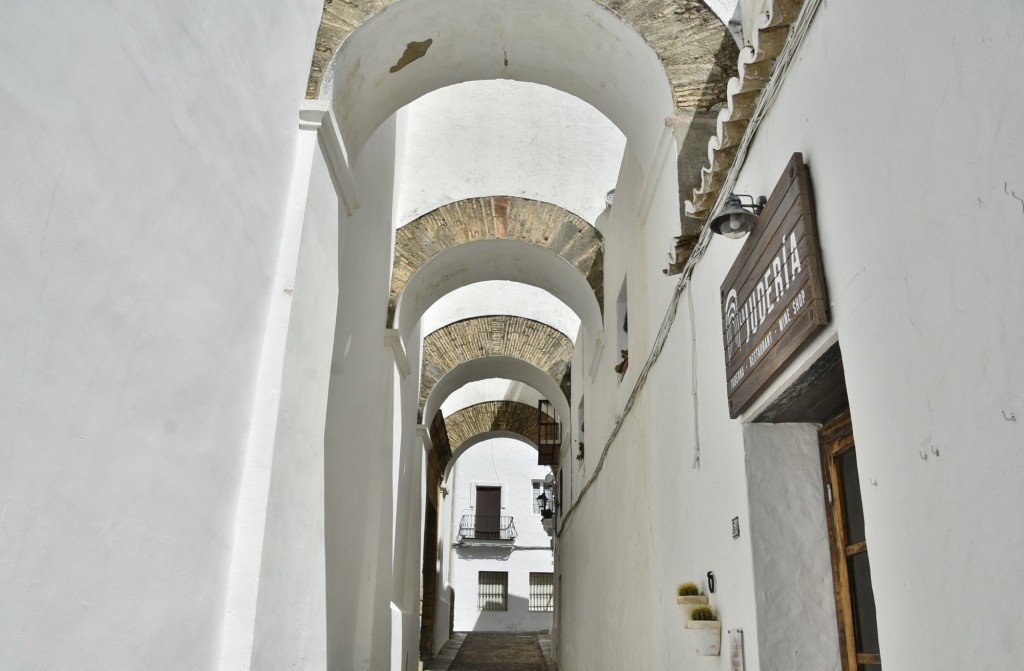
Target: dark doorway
point(488, 512)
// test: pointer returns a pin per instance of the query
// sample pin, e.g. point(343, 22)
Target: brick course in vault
point(697, 51)
point(494, 335)
point(510, 416)
point(497, 218)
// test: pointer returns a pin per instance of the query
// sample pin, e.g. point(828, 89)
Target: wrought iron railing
point(486, 528)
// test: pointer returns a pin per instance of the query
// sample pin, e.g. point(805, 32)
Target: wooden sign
point(773, 299)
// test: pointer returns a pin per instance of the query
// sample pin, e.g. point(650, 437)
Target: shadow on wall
point(693, 132)
point(518, 617)
point(471, 552)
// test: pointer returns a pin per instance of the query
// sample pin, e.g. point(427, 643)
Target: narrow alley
point(495, 651)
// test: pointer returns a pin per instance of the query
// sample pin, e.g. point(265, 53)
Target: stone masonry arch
point(508, 370)
point(508, 417)
point(698, 52)
point(495, 336)
point(497, 218)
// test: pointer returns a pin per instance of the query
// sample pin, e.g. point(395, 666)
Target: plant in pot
point(707, 629)
point(623, 364)
point(687, 597)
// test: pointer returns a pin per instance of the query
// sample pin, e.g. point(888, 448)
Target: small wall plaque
point(736, 527)
point(736, 649)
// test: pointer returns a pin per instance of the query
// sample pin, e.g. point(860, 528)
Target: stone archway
point(492, 336)
point(534, 222)
point(467, 426)
point(698, 52)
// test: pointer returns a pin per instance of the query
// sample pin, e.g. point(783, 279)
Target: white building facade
point(502, 570)
point(231, 399)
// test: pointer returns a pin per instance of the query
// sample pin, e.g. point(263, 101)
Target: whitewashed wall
point(361, 436)
point(504, 137)
point(145, 157)
point(290, 622)
point(512, 464)
point(921, 248)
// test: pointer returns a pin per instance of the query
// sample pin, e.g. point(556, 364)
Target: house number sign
point(773, 299)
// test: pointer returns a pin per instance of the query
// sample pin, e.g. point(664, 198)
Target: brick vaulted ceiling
point(497, 218)
point(492, 336)
point(495, 416)
point(698, 52)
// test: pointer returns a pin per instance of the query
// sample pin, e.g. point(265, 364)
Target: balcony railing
point(486, 528)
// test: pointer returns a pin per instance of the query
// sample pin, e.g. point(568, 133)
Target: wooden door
point(488, 512)
point(851, 571)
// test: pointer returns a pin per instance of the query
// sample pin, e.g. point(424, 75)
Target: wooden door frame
point(836, 439)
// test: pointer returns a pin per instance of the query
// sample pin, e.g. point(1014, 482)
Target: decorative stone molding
point(495, 335)
point(697, 50)
point(494, 416)
point(497, 218)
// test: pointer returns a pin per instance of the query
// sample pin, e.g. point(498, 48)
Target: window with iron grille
point(542, 590)
point(492, 590)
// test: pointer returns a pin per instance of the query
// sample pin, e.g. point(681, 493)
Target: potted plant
point(687, 596)
point(707, 629)
point(623, 364)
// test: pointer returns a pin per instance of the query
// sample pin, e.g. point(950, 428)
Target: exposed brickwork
point(698, 52)
point(494, 335)
point(510, 416)
point(497, 218)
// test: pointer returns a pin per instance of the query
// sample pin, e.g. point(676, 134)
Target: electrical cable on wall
point(693, 378)
point(796, 36)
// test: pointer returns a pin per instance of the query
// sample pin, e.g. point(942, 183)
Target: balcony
point(486, 529)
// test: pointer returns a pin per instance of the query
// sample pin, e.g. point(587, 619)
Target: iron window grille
point(542, 592)
point(492, 590)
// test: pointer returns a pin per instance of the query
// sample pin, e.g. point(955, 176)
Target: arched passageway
point(480, 340)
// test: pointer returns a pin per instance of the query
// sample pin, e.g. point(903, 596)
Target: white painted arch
point(501, 298)
point(479, 438)
point(536, 143)
point(577, 47)
point(485, 260)
point(497, 367)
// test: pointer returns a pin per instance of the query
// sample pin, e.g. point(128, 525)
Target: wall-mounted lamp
point(545, 505)
point(734, 221)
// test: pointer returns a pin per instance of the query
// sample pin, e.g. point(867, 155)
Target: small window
point(542, 588)
point(492, 591)
point(538, 488)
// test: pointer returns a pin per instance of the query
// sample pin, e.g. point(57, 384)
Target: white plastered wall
point(504, 137)
point(361, 435)
point(511, 464)
point(290, 621)
point(146, 157)
point(921, 244)
point(796, 615)
point(920, 248)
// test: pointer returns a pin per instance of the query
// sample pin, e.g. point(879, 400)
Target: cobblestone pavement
point(495, 651)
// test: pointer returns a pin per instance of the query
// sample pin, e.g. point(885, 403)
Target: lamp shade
point(733, 221)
